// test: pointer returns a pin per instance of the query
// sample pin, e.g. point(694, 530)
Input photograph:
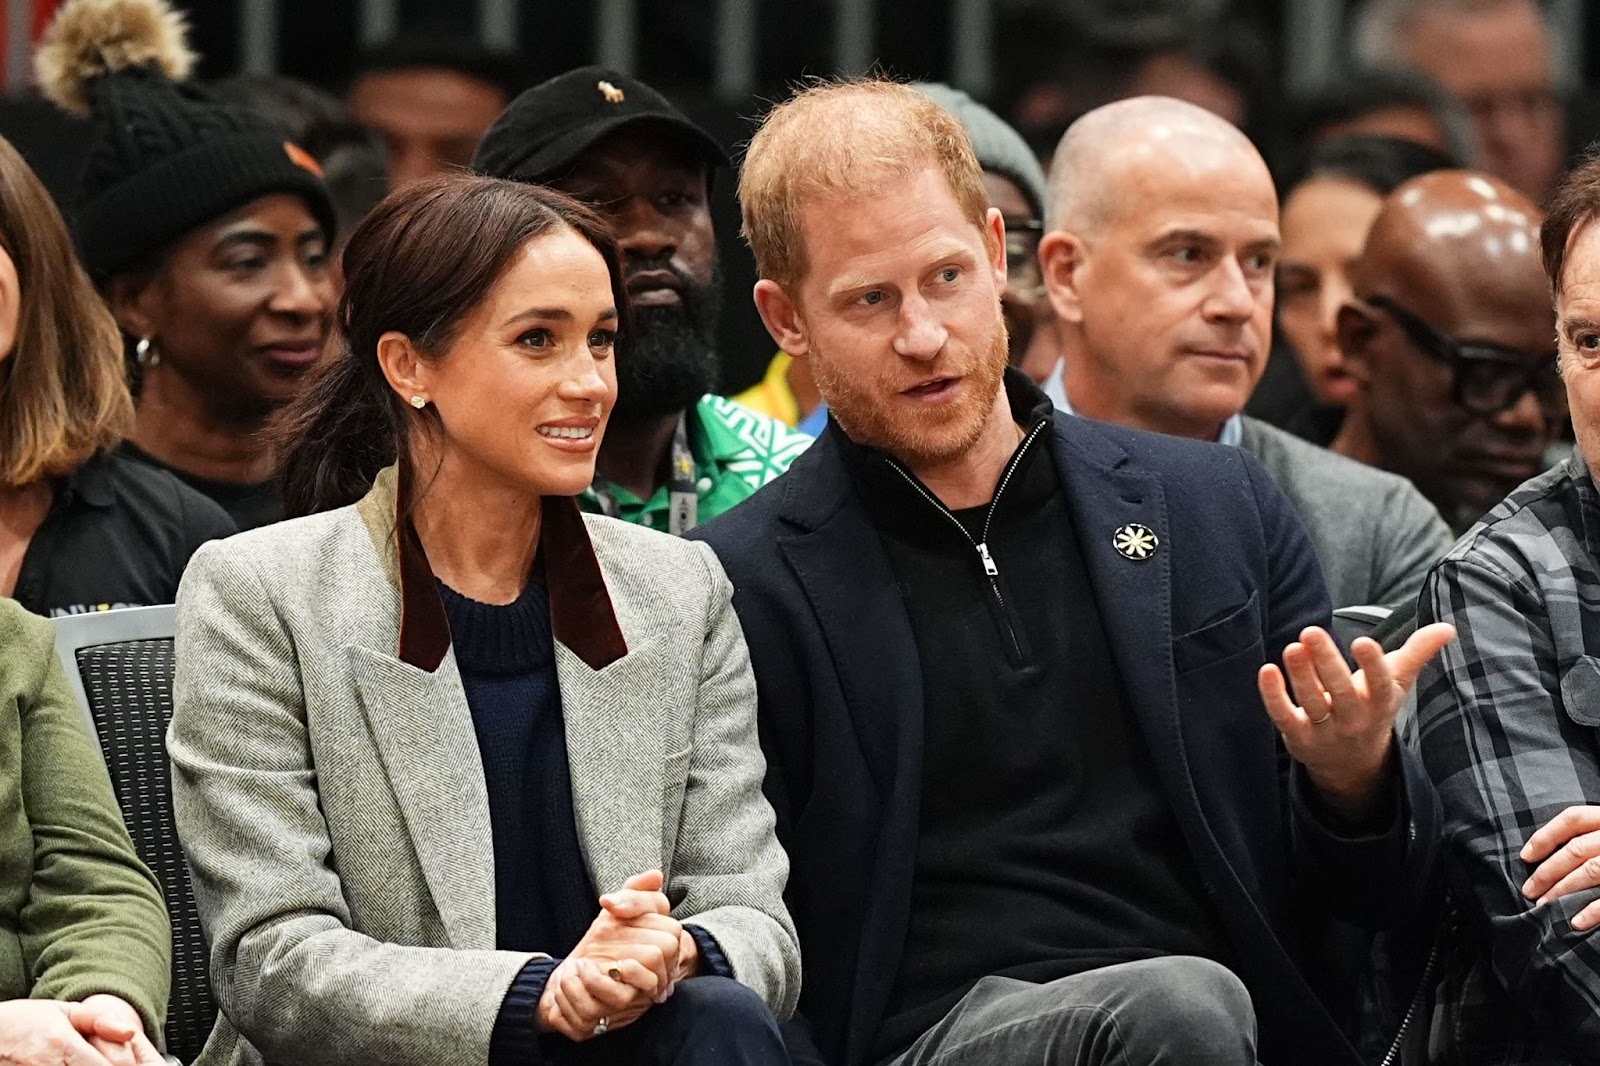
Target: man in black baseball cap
point(672, 455)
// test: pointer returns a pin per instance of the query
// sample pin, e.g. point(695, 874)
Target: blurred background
point(1281, 69)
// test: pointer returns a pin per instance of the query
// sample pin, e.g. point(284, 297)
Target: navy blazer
point(1233, 581)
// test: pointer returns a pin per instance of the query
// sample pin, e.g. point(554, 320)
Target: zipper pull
point(988, 561)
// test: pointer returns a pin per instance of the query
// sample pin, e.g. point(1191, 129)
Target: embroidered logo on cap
point(301, 158)
point(612, 94)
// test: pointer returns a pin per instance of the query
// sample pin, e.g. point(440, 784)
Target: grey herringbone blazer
point(332, 805)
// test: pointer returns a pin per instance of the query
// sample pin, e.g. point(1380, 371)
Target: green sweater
point(79, 913)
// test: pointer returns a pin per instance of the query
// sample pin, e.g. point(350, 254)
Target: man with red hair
point(1020, 736)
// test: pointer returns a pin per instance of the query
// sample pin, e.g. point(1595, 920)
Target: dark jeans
point(708, 1021)
point(1157, 1012)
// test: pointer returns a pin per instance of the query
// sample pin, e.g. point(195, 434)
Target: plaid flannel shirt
point(1506, 722)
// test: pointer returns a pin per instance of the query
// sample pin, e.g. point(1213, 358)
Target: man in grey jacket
point(1159, 258)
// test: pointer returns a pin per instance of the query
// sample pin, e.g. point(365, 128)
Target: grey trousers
point(1155, 1012)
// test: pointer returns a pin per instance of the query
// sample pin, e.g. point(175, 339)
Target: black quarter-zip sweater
point(1046, 847)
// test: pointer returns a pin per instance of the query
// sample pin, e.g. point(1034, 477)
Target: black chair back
point(127, 686)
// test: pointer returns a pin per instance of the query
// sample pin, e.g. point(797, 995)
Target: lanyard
point(683, 498)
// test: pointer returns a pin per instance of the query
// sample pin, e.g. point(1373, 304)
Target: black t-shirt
point(249, 506)
point(1046, 846)
point(118, 535)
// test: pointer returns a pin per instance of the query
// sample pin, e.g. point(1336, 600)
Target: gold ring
point(1319, 721)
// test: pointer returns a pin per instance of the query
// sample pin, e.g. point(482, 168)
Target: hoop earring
point(144, 353)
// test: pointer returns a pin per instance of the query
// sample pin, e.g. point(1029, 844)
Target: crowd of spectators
point(1134, 609)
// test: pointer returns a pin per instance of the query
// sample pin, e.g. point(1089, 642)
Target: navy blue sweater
point(544, 899)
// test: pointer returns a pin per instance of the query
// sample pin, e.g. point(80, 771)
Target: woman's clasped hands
point(631, 958)
point(101, 1031)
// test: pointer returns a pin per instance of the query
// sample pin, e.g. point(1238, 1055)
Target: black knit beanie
point(165, 157)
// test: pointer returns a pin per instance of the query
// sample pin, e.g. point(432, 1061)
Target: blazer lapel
point(840, 563)
point(845, 575)
point(615, 751)
point(1105, 493)
point(424, 736)
point(420, 719)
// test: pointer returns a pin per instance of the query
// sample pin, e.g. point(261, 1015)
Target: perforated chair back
point(120, 663)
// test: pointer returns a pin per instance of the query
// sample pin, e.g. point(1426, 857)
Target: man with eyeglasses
point(1451, 339)
point(1497, 58)
point(1159, 262)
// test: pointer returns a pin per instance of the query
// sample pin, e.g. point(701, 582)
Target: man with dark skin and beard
point(673, 455)
point(1451, 339)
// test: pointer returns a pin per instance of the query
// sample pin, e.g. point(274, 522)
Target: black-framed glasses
point(1485, 379)
point(1022, 246)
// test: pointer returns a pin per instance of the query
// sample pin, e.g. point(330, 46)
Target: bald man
point(1451, 339)
point(1159, 262)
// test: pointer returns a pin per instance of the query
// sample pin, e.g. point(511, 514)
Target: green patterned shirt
point(736, 451)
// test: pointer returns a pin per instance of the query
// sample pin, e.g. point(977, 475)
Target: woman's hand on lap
point(115, 1029)
point(581, 992)
point(629, 960)
point(43, 1032)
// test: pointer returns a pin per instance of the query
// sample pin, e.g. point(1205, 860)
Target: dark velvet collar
point(581, 613)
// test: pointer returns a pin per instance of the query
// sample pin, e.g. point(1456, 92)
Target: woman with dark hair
point(207, 230)
point(81, 528)
point(420, 730)
point(1327, 207)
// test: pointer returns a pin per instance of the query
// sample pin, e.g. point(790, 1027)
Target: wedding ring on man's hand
point(1324, 718)
point(615, 973)
point(601, 1026)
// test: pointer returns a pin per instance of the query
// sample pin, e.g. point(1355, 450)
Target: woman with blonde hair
point(81, 528)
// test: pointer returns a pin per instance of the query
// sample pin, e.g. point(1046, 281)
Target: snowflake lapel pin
point(1136, 542)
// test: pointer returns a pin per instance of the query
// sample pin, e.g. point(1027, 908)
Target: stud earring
point(144, 353)
point(418, 402)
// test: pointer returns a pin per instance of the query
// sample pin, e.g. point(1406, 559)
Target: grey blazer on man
point(1376, 536)
point(331, 801)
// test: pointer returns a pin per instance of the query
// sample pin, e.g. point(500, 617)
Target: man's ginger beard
point(873, 413)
